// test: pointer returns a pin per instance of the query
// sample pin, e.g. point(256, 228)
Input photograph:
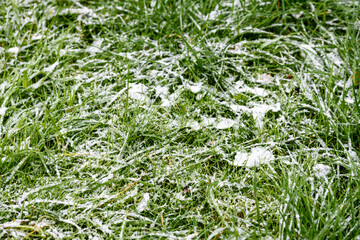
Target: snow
point(353, 156)
point(194, 125)
point(143, 203)
point(138, 91)
point(256, 157)
point(195, 88)
point(3, 110)
point(264, 78)
point(95, 47)
point(103, 227)
point(225, 123)
point(321, 170)
point(14, 50)
point(14, 223)
point(51, 68)
point(161, 91)
point(36, 36)
point(258, 110)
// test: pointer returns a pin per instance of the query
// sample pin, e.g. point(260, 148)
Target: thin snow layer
point(321, 170)
point(256, 157)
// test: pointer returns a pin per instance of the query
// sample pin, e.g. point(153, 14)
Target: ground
point(163, 119)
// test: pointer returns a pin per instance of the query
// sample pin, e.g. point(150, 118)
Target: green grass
point(127, 119)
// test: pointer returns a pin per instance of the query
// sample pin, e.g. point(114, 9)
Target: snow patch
point(3, 110)
point(264, 78)
point(195, 88)
point(143, 203)
point(51, 68)
point(256, 157)
point(353, 156)
point(14, 50)
point(321, 170)
point(138, 91)
point(258, 111)
point(225, 123)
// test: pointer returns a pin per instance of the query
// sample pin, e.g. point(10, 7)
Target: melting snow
point(95, 47)
point(256, 157)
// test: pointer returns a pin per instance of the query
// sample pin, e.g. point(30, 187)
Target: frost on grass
point(256, 157)
point(98, 97)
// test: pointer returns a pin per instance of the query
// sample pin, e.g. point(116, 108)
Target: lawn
point(189, 119)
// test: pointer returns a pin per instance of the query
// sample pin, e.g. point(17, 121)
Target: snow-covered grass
point(163, 119)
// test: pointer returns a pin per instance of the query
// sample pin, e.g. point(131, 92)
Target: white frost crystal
point(256, 157)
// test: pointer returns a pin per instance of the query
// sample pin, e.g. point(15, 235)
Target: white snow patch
point(103, 227)
point(180, 196)
point(353, 155)
point(256, 157)
point(92, 50)
point(258, 111)
point(194, 125)
point(15, 223)
point(208, 121)
point(195, 88)
point(95, 47)
point(221, 123)
point(161, 91)
point(3, 110)
point(214, 14)
point(165, 103)
point(143, 203)
point(321, 170)
point(241, 87)
point(225, 123)
point(138, 91)
point(51, 68)
point(36, 36)
point(14, 50)
point(265, 78)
